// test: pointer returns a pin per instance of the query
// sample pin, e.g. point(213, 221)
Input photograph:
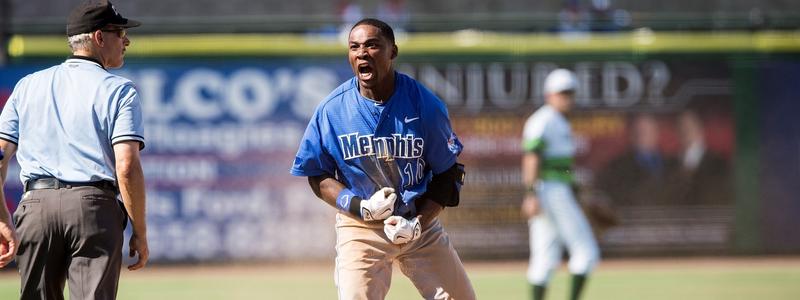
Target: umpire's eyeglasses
point(121, 32)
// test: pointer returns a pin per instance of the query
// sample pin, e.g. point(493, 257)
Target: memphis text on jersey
point(355, 145)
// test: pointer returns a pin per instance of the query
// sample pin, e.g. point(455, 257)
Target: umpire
point(77, 132)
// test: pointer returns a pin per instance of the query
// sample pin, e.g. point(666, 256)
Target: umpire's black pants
point(70, 234)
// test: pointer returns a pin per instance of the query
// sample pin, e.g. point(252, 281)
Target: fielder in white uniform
point(554, 217)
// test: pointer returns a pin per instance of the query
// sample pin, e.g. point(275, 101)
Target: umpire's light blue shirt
point(66, 118)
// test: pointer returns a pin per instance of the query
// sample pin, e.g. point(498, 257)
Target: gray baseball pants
point(70, 234)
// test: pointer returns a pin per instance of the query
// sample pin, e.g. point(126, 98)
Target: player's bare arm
point(8, 235)
point(326, 188)
point(427, 210)
point(444, 190)
point(378, 207)
point(131, 187)
point(530, 173)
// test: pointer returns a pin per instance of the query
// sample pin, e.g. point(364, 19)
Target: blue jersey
point(349, 135)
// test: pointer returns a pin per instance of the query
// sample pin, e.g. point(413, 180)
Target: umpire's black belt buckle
point(54, 184)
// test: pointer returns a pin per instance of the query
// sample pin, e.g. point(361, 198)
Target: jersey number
point(412, 177)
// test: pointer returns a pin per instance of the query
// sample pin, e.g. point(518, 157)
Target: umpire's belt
point(54, 183)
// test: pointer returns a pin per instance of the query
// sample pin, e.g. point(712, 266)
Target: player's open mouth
point(365, 72)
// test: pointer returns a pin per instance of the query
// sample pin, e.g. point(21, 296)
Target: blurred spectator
point(395, 13)
point(703, 177)
point(757, 19)
point(605, 18)
point(349, 12)
point(573, 17)
point(640, 176)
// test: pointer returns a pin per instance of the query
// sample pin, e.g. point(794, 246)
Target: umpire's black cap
point(92, 15)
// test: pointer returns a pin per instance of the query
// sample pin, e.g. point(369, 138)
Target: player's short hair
point(384, 29)
point(81, 41)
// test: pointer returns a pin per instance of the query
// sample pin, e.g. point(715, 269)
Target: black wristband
point(355, 206)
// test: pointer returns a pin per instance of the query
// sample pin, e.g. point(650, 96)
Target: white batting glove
point(380, 206)
point(401, 230)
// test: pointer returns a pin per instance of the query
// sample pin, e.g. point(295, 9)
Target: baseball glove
point(599, 211)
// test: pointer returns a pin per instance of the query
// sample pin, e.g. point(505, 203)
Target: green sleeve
point(534, 145)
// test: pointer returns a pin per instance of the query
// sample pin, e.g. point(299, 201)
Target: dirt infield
point(616, 264)
point(660, 263)
point(702, 262)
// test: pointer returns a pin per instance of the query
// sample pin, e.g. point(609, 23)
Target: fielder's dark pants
point(72, 234)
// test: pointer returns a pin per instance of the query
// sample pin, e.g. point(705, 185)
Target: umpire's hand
point(8, 244)
point(138, 244)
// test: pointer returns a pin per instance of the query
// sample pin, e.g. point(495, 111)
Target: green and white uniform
point(561, 221)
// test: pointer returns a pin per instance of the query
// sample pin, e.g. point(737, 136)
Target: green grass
point(641, 279)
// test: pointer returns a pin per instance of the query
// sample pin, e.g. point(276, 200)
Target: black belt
point(54, 183)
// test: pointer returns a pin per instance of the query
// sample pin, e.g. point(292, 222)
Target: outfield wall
point(223, 123)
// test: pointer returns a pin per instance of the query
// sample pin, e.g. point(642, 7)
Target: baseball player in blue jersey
point(380, 149)
point(77, 130)
point(555, 218)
